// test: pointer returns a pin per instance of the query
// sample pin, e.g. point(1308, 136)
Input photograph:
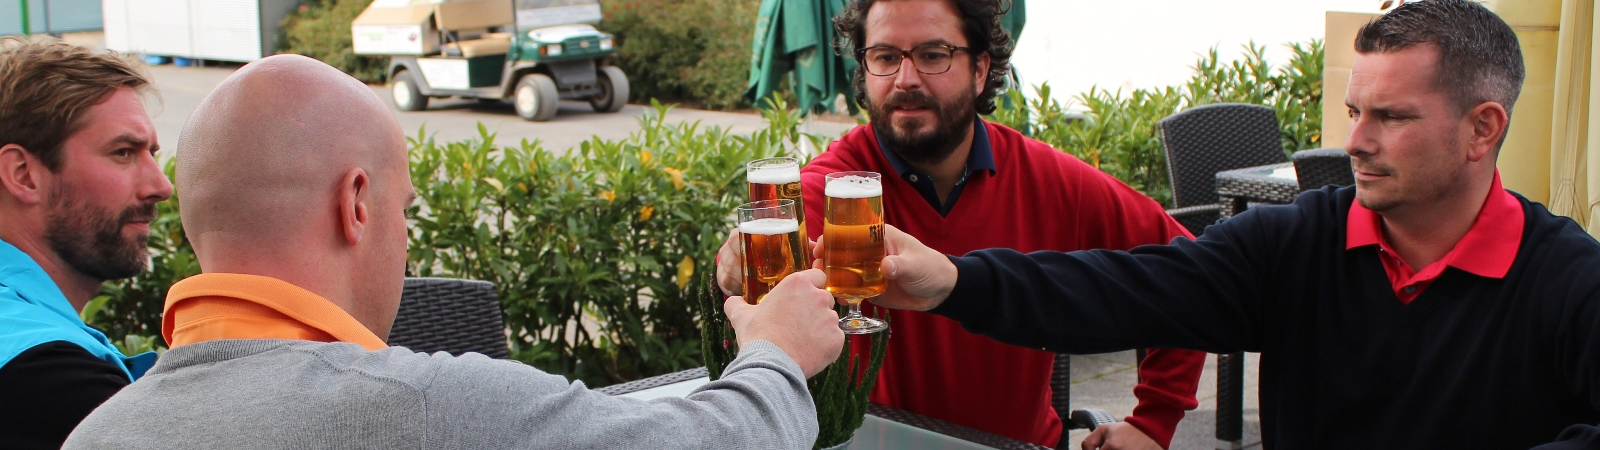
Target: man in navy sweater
point(1425, 307)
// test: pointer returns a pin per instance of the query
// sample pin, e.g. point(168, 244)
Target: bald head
point(293, 170)
point(262, 152)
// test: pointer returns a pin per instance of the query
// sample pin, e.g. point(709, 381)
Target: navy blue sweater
point(1471, 363)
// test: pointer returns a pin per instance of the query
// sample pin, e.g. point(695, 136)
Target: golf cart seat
point(478, 47)
point(456, 19)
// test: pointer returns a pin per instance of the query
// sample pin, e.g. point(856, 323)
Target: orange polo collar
point(213, 306)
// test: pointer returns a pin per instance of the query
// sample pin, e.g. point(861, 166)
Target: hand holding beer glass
point(772, 245)
point(853, 250)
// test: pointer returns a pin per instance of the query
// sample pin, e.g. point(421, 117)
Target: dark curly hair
point(1479, 57)
point(980, 23)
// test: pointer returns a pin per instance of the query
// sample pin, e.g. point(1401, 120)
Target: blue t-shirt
point(33, 311)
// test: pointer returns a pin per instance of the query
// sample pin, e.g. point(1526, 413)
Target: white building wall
point(1131, 44)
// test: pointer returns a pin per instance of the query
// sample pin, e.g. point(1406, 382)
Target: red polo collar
point(1487, 249)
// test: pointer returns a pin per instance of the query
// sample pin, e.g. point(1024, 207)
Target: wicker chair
point(450, 315)
point(1323, 167)
point(1204, 140)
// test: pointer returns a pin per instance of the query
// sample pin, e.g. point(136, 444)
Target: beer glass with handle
point(772, 245)
point(852, 239)
point(779, 178)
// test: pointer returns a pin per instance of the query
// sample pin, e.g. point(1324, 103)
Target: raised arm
point(1203, 294)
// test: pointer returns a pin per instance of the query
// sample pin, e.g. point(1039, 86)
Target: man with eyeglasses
point(929, 68)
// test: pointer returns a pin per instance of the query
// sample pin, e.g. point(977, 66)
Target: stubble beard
point(923, 147)
point(1435, 186)
point(89, 239)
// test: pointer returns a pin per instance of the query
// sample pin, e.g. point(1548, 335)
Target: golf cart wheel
point(536, 98)
point(406, 95)
point(613, 90)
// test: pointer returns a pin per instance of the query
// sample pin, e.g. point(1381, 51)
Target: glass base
point(862, 325)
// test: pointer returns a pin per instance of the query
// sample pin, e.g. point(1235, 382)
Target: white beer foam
point(770, 227)
point(854, 187)
point(780, 174)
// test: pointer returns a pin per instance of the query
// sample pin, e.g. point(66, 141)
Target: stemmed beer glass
point(853, 248)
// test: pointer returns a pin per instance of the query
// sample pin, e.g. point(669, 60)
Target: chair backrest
point(1204, 140)
point(1323, 167)
point(450, 315)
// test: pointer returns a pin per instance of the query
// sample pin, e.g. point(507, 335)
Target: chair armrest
point(1090, 419)
point(1196, 218)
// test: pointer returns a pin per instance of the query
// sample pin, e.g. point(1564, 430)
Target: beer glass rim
point(774, 161)
point(766, 204)
point(857, 173)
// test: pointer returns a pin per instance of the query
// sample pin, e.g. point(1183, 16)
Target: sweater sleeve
point(49, 389)
point(1202, 294)
point(1121, 218)
point(760, 402)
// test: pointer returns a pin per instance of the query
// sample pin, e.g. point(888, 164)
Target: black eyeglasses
point(929, 59)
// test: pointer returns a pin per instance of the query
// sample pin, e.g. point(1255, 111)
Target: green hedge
point(591, 248)
point(321, 29)
point(691, 51)
point(1119, 133)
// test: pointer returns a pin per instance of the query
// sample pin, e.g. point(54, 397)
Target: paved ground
point(1106, 382)
point(1100, 381)
point(182, 88)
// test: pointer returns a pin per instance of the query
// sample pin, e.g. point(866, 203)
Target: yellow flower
point(644, 156)
point(685, 271)
point(524, 186)
point(608, 195)
point(646, 212)
point(677, 177)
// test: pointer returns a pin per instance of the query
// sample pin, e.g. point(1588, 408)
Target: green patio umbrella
point(795, 38)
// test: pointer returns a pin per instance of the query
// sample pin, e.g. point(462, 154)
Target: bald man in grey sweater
point(295, 186)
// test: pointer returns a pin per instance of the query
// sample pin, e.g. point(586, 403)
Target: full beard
point(923, 147)
point(89, 239)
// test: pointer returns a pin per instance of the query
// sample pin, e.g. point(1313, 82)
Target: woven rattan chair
point(1323, 167)
point(1204, 140)
point(450, 315)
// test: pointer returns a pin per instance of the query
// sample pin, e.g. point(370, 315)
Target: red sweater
point(1037, 199)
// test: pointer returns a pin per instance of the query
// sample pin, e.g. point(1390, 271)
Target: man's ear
point(355, 204)
point(1488, 121)
point(22, 175)
point(981, 79)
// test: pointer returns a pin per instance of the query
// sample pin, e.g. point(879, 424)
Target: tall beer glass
point(775, 178)
point(772, 245)
point(852, 236)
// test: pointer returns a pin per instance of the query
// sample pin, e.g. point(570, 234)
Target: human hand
point(797, 316)
point(730, 265)
point(1119, 436)
point(920, 278)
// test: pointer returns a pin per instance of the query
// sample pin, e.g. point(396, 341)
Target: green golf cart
point(531, 52)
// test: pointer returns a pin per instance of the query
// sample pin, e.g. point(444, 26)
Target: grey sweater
point(286, 394)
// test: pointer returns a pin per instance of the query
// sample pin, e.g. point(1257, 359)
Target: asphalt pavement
point(182, 88)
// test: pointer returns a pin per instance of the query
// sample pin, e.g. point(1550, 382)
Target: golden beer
point(771, 245)
point(770, 253)
point(779, 178)
point(853, 249)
